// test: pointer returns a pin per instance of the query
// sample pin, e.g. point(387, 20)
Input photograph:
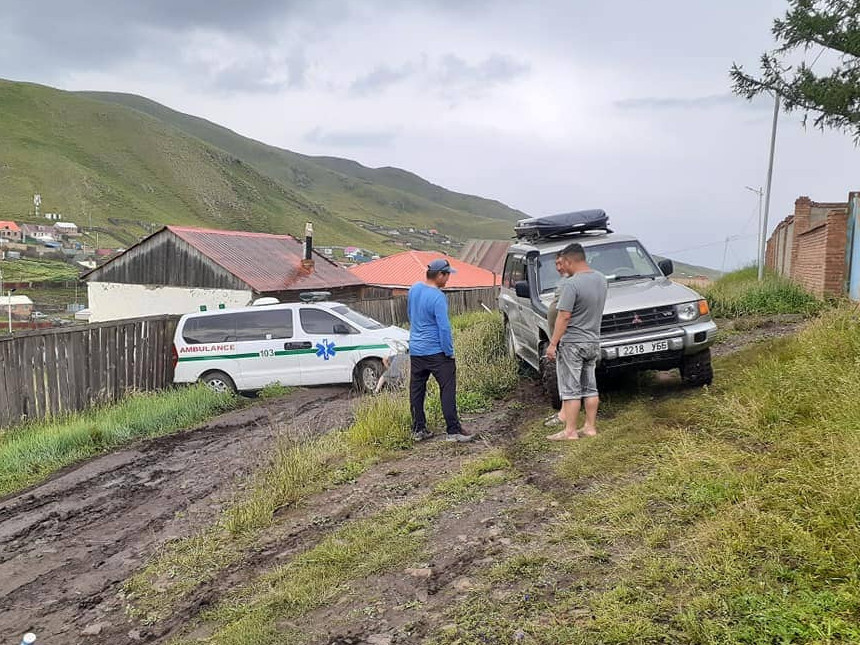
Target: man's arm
point(441, 314)
point(565, 306)
point(560, 327)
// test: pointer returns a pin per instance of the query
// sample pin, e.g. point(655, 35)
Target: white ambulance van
point(309, 343)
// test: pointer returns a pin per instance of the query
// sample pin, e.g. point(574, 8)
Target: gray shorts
point(575, 365)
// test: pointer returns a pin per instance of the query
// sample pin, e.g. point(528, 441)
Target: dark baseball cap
point(441, 265)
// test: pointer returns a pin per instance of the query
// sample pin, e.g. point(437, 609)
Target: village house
point(66, 229)
point(400, 271)
point(181, 269)
point(10, 231)
point(22, 308)
point(38, 233)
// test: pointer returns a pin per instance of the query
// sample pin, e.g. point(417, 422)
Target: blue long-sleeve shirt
point(430, 330)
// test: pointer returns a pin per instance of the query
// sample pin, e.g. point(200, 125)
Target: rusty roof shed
point(264, 263)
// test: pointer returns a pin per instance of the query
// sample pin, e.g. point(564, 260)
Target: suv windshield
point(617, 261)
point(359, 319)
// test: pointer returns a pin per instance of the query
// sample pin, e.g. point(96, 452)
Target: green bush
point(741, 294)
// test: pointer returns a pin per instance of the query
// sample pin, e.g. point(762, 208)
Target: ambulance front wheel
point(366, 375)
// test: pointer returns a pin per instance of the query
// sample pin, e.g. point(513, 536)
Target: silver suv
point(649, 322)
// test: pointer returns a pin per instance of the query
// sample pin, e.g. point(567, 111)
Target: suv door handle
point(297, 345)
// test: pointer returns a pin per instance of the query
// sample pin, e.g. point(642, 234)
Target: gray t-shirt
point(583, 294)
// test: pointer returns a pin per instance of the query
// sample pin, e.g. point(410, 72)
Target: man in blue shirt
point(431, 348)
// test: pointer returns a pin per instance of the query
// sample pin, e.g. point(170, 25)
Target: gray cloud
point(450, 75)
point(457, 75)
point(53, 37)
point(381, 78)
point(351, 139)
point(257, 75)
point(681, 103)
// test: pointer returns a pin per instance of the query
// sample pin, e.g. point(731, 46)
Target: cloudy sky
point(548, 106)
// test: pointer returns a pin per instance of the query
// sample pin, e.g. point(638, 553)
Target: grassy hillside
point(124, 169)
point(386, 196)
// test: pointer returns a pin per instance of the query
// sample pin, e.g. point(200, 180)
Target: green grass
point(30, 453)
point(302, 467)
point(37, 270)
point(392, 537)
point(741, 294)
point(96, 156)
point(725, 517)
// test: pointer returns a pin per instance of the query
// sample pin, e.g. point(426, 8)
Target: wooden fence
point(392, 311)
point(64, 370)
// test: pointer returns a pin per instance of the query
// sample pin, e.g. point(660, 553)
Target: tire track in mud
point(67, 544)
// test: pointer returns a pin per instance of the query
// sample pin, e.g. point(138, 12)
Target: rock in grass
point(426, 573)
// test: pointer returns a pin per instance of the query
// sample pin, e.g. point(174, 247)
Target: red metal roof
point(10, 226)
point(263, 261)
point(405, 269)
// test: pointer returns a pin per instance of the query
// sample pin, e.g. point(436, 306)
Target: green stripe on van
point(287, 352)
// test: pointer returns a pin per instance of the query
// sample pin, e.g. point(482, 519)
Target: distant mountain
point(123, 163)
point(683, 270)
point(385, 196)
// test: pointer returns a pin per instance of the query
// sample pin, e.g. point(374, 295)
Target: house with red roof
point(10, 231)
point(400, 271)
point(180, 269)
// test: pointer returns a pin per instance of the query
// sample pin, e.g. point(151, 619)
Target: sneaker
point(421, 435)
point(460, 437)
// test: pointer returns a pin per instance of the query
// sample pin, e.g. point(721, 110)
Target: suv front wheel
point(696, 370)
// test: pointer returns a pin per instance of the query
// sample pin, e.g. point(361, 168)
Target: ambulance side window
point(209, 329)
point(264, 324)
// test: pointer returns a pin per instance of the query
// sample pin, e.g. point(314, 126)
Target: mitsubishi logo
point(636, 319)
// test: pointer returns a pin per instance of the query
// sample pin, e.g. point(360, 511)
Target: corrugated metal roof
point(487, 254)
point(9, 226)
point(405, 269)
point(263, 261)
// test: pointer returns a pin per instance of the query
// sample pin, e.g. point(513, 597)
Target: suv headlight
point(690, 311)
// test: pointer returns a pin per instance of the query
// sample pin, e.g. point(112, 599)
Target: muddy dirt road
point(67, 544)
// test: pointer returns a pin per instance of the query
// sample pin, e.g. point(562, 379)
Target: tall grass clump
point(483, 364)
point(33, 451)
point(741, 294)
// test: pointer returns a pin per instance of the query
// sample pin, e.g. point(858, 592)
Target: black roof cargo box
point(562, 225)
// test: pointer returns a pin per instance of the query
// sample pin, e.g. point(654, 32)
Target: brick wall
point(809, 246)
point(809, 259)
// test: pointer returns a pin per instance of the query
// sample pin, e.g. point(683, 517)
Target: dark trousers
point(444, 370)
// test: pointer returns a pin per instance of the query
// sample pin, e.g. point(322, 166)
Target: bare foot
point(553, 421)
point(564, 435)
point(589, 432)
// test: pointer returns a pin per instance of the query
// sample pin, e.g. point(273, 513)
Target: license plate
point(644, 348)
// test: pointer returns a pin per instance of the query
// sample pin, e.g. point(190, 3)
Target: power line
point(704, 246)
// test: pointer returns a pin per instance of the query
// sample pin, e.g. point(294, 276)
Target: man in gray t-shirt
point(575, 344)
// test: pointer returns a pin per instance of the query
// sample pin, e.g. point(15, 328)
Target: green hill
point(121, 162)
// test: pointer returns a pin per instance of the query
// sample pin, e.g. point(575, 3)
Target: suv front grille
point(638, 319)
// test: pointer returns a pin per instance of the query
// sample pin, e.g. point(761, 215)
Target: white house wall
point(115, 301)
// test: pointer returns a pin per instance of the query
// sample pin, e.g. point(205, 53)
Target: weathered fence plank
point(63, 370)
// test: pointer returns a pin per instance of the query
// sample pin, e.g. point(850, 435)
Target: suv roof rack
point(563, 225)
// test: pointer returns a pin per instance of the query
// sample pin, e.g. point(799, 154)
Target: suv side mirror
point(667, 267)
point(341, 330)
point(522, 289)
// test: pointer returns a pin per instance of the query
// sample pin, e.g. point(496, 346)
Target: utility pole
point(760, 192)
point(11, 291)
point(763, 240)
